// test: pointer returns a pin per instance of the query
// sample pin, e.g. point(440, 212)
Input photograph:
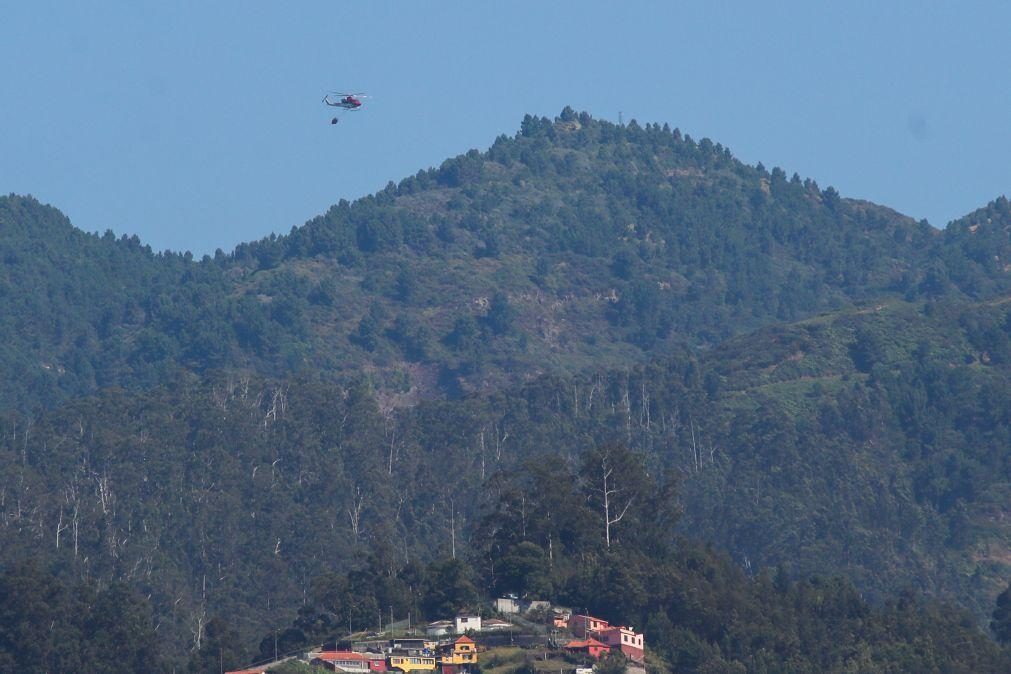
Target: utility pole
point(452, 520)
point(620, 123)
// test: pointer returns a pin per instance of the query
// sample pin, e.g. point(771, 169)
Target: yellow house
point(464, 652)
point(412, 663)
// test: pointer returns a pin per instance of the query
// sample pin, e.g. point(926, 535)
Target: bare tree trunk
point(355, 511)
point(626, 400)
point(60, 528)
point(104, 494)
point(198, 628)
point(607, 493)
point(482, 454)
point(75, 523)
point(645, 406)
point(499, 444)
point(390, 431)
point(695, 449)
point(523, 514)
point(452, 526)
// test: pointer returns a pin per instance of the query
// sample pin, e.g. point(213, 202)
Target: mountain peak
point(574, 243)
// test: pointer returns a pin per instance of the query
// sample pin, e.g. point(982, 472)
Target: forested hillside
point(700, 612)
point(575, 244)
point(815, 386)
point(870, 443)
point(83, 312)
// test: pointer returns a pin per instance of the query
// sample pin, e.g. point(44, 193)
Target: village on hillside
point(527, 637)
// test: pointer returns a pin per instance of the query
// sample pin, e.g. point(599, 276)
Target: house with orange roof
point(459, 656)
point(591, 647)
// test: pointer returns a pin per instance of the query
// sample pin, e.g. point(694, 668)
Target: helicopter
point(349, 102)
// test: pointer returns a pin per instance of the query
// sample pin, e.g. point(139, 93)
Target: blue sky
point(199, 125)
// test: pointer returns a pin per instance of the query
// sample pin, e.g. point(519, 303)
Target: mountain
point(222, 439)
point(85, 312)
point(575, 244)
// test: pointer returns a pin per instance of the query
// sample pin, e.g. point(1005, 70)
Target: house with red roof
point(615, 637)
point(351, 662)
point(623, 639)
point(586, 625)
point(591, 647)
point(459, 656)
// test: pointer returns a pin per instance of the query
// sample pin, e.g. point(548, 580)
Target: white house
point(439, 628)
point(511, 604)
point(492, 624)
point(507, 605)
point(467, 622)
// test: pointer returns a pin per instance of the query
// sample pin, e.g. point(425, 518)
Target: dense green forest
point(51, 624)
point(575, 244)
point(831, 446)
point(817, 387)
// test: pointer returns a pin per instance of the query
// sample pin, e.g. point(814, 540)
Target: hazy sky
point(199, 125)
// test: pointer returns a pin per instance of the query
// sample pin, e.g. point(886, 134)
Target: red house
point(590, 646)
point(585, 625)
point(377, 662)
point(623, 639)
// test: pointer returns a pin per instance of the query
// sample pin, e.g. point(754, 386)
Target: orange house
point(463, 651)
